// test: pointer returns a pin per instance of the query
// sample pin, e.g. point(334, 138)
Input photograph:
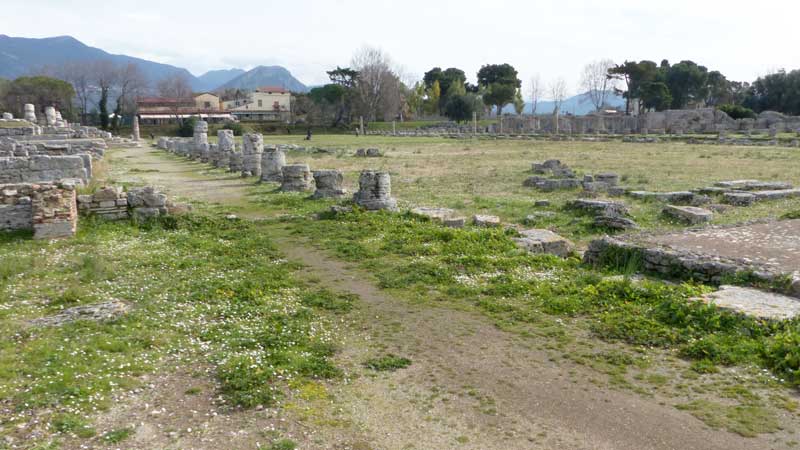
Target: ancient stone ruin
point(375, 191)
point(328, 184)
point(296, 178)
point(113, 203)
point(47, 209)
point(252, 150)
point(272, 162)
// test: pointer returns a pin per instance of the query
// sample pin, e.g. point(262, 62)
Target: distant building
point(163, 110)
point(265, 104)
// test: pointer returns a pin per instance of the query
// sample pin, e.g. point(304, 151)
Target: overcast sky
point(555, 38)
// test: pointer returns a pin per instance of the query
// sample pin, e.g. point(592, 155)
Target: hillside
point(22, 56)
point(266, 76)
point(213, 79)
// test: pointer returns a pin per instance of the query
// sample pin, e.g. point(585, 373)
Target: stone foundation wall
point(49, 209)
point(41, 168)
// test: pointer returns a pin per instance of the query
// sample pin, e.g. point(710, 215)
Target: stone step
point(754, 302)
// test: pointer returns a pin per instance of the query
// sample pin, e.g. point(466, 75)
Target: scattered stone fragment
point(754, 185)
point(739, 198)
point(605, 207)
point(679, 197)
point(455, 222)
point(615, 222)
point(541, 203)
point(756, 303)
point(611, 179)
point(99, 312)
point(438, 214)
point(689, 214)
point(777, 195)
point(485, 221)
point(549, 185)
point(544, 241)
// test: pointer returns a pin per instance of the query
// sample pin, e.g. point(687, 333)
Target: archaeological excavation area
point(437, 289)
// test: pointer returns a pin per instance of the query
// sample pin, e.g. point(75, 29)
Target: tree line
point(375, 88)
point(657, 87)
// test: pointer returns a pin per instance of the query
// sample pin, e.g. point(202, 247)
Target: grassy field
point(206, 296)
point(477, 176)
point(215, 298)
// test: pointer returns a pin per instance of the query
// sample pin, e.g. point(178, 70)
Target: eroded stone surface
point(756, 303)
point(773, 245)
point(544, 241)
point(99, 312)
point(481, 220)
point(439, 214)
point(689, 214)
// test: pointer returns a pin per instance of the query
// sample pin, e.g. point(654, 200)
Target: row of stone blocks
point(269, 165)
point(112, 203)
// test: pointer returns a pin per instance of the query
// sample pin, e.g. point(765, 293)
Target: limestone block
point(485, 220)
point(544, 241)
point(296, 178)
point(689, 214)
point(328, 184)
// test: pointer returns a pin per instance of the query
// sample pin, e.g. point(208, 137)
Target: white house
point(265, 104)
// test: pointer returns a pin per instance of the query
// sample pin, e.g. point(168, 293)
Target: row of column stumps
point(269, 165)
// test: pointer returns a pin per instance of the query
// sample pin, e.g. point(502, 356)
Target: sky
point(550, 38)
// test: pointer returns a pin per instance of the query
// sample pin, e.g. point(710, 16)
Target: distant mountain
point(22, 56)
point(266, 76)
point(213, 79)
point(578, 105)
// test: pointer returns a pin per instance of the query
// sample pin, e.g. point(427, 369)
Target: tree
point(655, 95)
point(105, 75)
point(131, 83)
point(452, 82)
point(558, 92)
point(343, 76)
point(41, 91)
point(376, 81)
point(720, 90)
point(500, 83)
point(79, 74)
point(596, 83)
point(634, 75)
point(779, 91)
point(416, 99)
point(460, 107)
point(175, 87)
point(434, 97)
point(536, 92)
point(519, 103)
point(687, 83)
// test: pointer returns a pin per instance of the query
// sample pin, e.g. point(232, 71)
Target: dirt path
point(471, 386)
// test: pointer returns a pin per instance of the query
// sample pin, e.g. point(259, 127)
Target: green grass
point(203, 290)
point(746, 420)
point(387, 363)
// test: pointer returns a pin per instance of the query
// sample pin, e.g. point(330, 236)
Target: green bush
point(186, 128)
point(236, 127)
point(738, 112)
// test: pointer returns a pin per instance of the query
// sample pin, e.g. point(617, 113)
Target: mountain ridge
point(20, 56)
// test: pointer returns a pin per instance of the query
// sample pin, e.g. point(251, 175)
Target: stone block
point(544, 241)
point(485, 221)
point(688, 214)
